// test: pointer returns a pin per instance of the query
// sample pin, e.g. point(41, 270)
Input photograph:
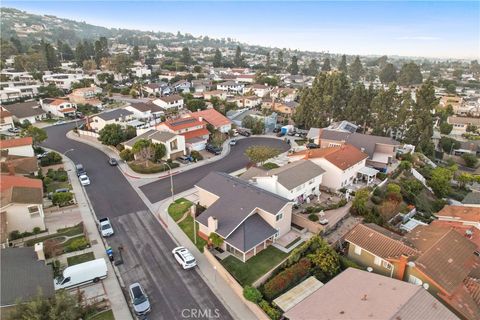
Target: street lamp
point(171, 180)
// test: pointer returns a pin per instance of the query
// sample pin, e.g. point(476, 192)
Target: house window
point(33, 210)
point(358, 250)
point(279, 216)
point(378, 261)
point(173, 145)
point(387, 265)
point(277, 233)
point(415, 280)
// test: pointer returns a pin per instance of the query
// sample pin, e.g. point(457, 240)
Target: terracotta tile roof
point(465, 300)
point(67, 110)
point(183, 123)
point(7, 182)
point(342, 157)
point(23, 165)
point(55, 102)
point(213, 117)
point(12, 143)
point(460, 213)
point(379, 241)
point(472, 233)
point(195, 133)
point(4, 114)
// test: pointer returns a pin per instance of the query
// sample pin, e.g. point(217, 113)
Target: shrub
point(15, 234)
point(272, 312)
point(313, 217)
point(270, 165)
point(120, 147)
point(154, 168)
point(50, 159)
point(77, 244)
point(405, 165)
point(376, 199)
point(470, 160)
point(379, 193)
point(196, 155)
point(252, 294)
point(62, 198)
point(393, 188)
point(126, 155)
point(36, 230)
point(381, 175)
point(286, 279)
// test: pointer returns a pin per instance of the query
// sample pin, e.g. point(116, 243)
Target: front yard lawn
point(178, 208)
point(81, 258)
point(187, 226)
point(61, 233)
point(106, 315)
point(246, 273)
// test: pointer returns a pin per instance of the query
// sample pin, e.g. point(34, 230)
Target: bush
point(286, 279)
point(270, 166)
point(15, 234)
point(57, 175)
point(126, 155)
point(50, 159)
point(381, 175)
point(77, 244)
point(313, 217)
point(272, 312)
point(379, 193)
point(470, 160)
point(377, 199)
point(252, 294)
point(62, 198)
point(406, 165)
point(36, 230)
point(120, 147)
point(154, 168)
point(196, 155)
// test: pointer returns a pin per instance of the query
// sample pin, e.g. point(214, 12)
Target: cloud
point(419, 38)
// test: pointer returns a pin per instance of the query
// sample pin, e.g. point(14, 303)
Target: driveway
point(147, 248)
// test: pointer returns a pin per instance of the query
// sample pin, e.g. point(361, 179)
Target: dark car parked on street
point(212, 149)
point(312, 145)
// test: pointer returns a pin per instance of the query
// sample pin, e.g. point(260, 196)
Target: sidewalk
point(216, 283)
point(111, 283)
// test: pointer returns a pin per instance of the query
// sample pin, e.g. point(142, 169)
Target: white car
point(232, 142)
point(105, 227)
point(84, 180)
point(184, 257)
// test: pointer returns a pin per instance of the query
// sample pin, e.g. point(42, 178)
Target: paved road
point(235, 160)
point(146, 246)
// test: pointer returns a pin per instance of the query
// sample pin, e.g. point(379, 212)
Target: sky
point(429, 29)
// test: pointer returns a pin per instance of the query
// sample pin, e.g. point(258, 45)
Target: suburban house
point(286, 108)
point(460, 124)
point(116, 116)
point(24, 274)
point(169, 102)
point(245, 78)
point(215, 119)
point(201, 85)
point(467, 215)
point(30, 111)
point(152, 88)
point(343, 165)
point(15, 90)
point(145, 110)
point(174, 143)
point(358, 295)
point(246, 217)
point(181, 85)
point(238, 115)
point(344, 126)
point(439, 258)
point(18, 165)
point(295, 181)
point(22, 202)
point(59, 107)
point(285, 94)
point(18, 147)
point(231, 86)
point(381, 151)
point(6, 120)
point(472, 199)
point(222, 95)
point(86, 96)
point(193, 130)
point(62, 80)
point(247, 101)
point(260, 90)
point(455, 102)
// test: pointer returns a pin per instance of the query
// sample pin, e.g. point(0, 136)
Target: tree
point(126, 155)
point(186, 57)
point(120, 63)
point(112, 134)
point(238, 61)
point(50, 55)
point(159, 151)
point(217, 59)
point(280, 60)
point(448, 144)
point(100, 50)
point(80, 54)
point(446, 128)
point(143, 149)
point(470, 160)
point(38, 134)
point(215, 239)
point(356, 70)
point(326, 65)
point(268, 62)
point(256, 125)
point(410, 74)
point(440, 181)
point(260, 154)
point(50, 91)
point(252, 294)
point(343, 64)
point(313, 67)
point(62, 198)
point(136, 53)
point(471, 128)
point(359, 204)
point(326, 259)
point(293, 68)
point(388, 74)
point(66, 52)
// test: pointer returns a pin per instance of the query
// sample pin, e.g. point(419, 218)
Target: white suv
point(184, 257)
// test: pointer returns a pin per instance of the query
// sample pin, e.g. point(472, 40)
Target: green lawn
point(54, 185)
point(106, 315)
point(187, 227)
point(246, 273)
point(301, 142)
point(178, 208)
point(81, 258)
point(71, 231)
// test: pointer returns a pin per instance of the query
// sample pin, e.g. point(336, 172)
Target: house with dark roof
point(18, 165)
point(117, 116)
point(295, 181)
point(26, 111)
point(245, 216)
point(145, 110)
point(22, 202)
point(192, 129)
point(173, 101)
point(472, 199)
point(174, 143)
point(343, 165)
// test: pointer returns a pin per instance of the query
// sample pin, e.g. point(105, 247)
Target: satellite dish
point(426, 286)
point(411, 264)
point(369, 269)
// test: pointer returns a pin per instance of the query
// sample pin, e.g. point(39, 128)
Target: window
point(173, 145)
point(279, 216)
point(414, 280)
point(277, 233)
point(378, 261)
point(387, 265)
point(358, 250)
point(33, 210)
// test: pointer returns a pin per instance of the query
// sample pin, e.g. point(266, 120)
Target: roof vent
point(426, 286)
point(369, 269)
point(364, 298)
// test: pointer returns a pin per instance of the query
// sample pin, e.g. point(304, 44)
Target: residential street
point(147, 248)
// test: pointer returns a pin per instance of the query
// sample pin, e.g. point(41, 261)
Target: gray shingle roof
point(162, 136)
point(472, 198)
point(237, 199)
point(253, 231)
point(114, 114)
point(25, 109)
point(23, 275)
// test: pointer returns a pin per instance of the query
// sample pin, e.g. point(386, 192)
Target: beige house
point(174, 143)
point(246, 217)
point(22, 203)
point(460, 124)
point(117, 116)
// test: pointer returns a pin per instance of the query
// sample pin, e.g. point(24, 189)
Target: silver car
point(184, 257)
point(140, 302)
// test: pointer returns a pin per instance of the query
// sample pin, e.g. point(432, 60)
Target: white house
point(63, 80)
point(295, 181)
point(259, 90)
point(181, 85)
point(231, 86)
point(247, 101)
point(169, 102)
point(141, 71)
point(174, 143)
point(59, 107)
point(30, 111)
point(18, 147)
point(118, 116)
point(342, 165)
point(145, 110)
point(222, 95)
point(6, 119)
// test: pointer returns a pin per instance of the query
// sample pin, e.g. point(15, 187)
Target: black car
point(276, 129)
point(80, 170)
point(212, 149)
point(244, 133)
point(112, 162)
point(312, 145)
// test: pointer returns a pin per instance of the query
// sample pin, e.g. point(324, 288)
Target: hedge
point(272, 312)
point(252, 294)
point(286, 279)
point(153, 169)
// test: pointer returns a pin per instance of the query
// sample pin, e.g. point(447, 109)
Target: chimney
point(11, 169)
point(39, 251)
point(402, 265)
point(212, 224)
point(200, 119)
point(364, 298)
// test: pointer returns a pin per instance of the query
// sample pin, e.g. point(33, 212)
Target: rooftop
point(18, 142)
point(213, 117)
point(343, 157)
point(25, 109)
point(114, 114)
point(460, 213)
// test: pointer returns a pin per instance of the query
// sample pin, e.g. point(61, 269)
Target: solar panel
point(182, 122)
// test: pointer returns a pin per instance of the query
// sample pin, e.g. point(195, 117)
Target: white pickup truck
point(105, 227)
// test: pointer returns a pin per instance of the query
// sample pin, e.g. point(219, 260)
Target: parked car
point(105, 227)
point(184, 257)
point(292, 133)
point(141, 304)
point(41, 155)
point(84, 180)
point(312, 145)
point(280, 134)
point(323, 222)
point(212, 149)
point(14, 130)
point(80, 169)
point(50, 195)
point(277, 129)
point(244, 133)
point(59, 122)
point(183, 159)
point(82, 273)
point(233, 142)
point(112, 162)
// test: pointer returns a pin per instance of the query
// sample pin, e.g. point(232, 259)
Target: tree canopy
point(260, 154)
point(410, 74)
